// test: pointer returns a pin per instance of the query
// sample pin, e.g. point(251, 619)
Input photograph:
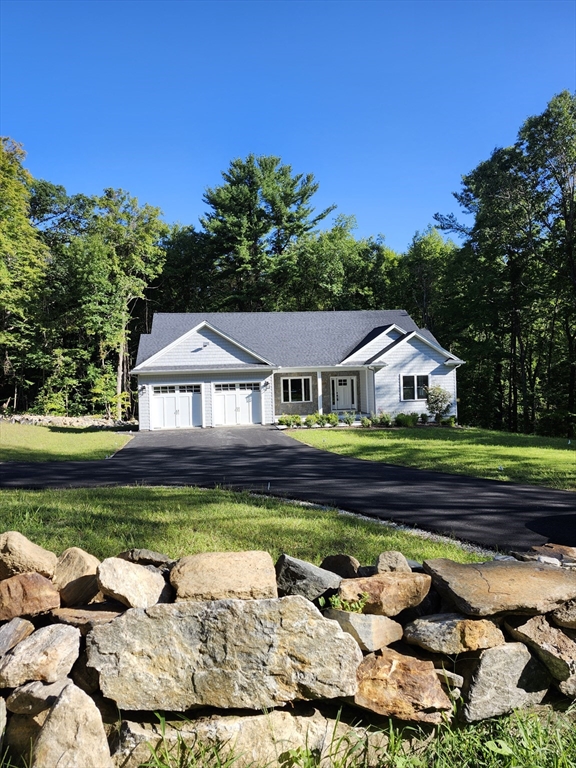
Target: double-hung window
point(297, 390)
point(414, 387)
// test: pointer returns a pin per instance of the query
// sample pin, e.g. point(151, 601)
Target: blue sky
point(386, 103)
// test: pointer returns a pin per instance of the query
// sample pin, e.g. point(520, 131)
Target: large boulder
point(451, 633)
point(27, 594)
point(552, 646)
point(388, 593)
point(298, 577)
point(75, 576)
point(503, 678)
point(20, 555)
point(72, 735)
point(395, 685)
point(485, 589)
point(224, 575)
point(252, 654)
point(48, 654)
point(136, 586)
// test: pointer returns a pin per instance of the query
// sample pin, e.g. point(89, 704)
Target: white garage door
point(176, 406)
point(237, 403)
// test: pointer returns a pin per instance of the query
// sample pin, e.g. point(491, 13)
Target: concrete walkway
point(491, 513)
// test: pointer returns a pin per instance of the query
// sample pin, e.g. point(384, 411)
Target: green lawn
point(24, 442)
point(528, 459)
point(179, 521)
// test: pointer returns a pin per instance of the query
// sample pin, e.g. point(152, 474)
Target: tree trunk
point(119, 380)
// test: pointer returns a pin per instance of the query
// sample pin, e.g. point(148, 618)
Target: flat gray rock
point(250, 654)
point(451, 633)
point(370, 632)
point(298, 577)
point(552, 646)
point(485, 589)
point(504, 678)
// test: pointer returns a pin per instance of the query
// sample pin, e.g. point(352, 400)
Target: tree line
point(81, 276)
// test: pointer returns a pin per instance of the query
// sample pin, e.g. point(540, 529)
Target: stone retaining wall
point(261, 656)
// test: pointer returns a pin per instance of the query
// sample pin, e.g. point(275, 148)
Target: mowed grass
point(530, 459)
point(25, 442)
point(180, 521)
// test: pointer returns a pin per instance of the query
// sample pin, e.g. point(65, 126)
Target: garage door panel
point(176, 406)
point(237, 403)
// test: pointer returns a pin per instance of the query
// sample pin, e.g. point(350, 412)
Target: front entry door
point(343, 389)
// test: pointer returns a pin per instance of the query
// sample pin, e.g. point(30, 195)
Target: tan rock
point(395, 685)
point(224, 575)
point(27, 594)
point(13, 632)
point(452, 633)
point(565, 616)
point(133, 585)
point(255, 740)
point(47, 655)
point(554, 648)
point(72, 735)
point(370, 632)
point(19, 555)
point(75, 576)
point(485, 589)
point(388, 593)
point(21, 733)
point(33, 698)
point(392, 561)
point(251, 654)
point(559, 551)
point(88, 616)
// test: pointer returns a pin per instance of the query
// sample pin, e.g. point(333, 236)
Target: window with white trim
point(297, 390)
point(414, 387)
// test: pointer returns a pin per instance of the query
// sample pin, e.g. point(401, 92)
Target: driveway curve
point(263, 459)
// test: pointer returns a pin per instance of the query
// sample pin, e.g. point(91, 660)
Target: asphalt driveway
point(263, 459)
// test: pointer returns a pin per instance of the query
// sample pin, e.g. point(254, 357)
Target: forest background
point(81, 276)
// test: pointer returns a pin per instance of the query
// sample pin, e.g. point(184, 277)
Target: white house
point(212, 369)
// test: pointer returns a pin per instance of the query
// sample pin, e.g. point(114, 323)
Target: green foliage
point(290, 420)
point(332, 419)
point(352, 606)
point(25, 442)
point(380, 419)
point(349, 417)
point(424, 418)
point(406, 419)
point(183, 521)
point(438, 401)
point(311, 420)
point(365, 422)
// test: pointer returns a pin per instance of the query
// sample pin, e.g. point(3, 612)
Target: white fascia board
point(392, 327)
point(203, 324)
point(187, 372)
point(437, 347)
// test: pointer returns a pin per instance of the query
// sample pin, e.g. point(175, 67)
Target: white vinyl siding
point(206, 348)
point(412, 358)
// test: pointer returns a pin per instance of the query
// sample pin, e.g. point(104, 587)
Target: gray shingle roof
point(287, 339)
